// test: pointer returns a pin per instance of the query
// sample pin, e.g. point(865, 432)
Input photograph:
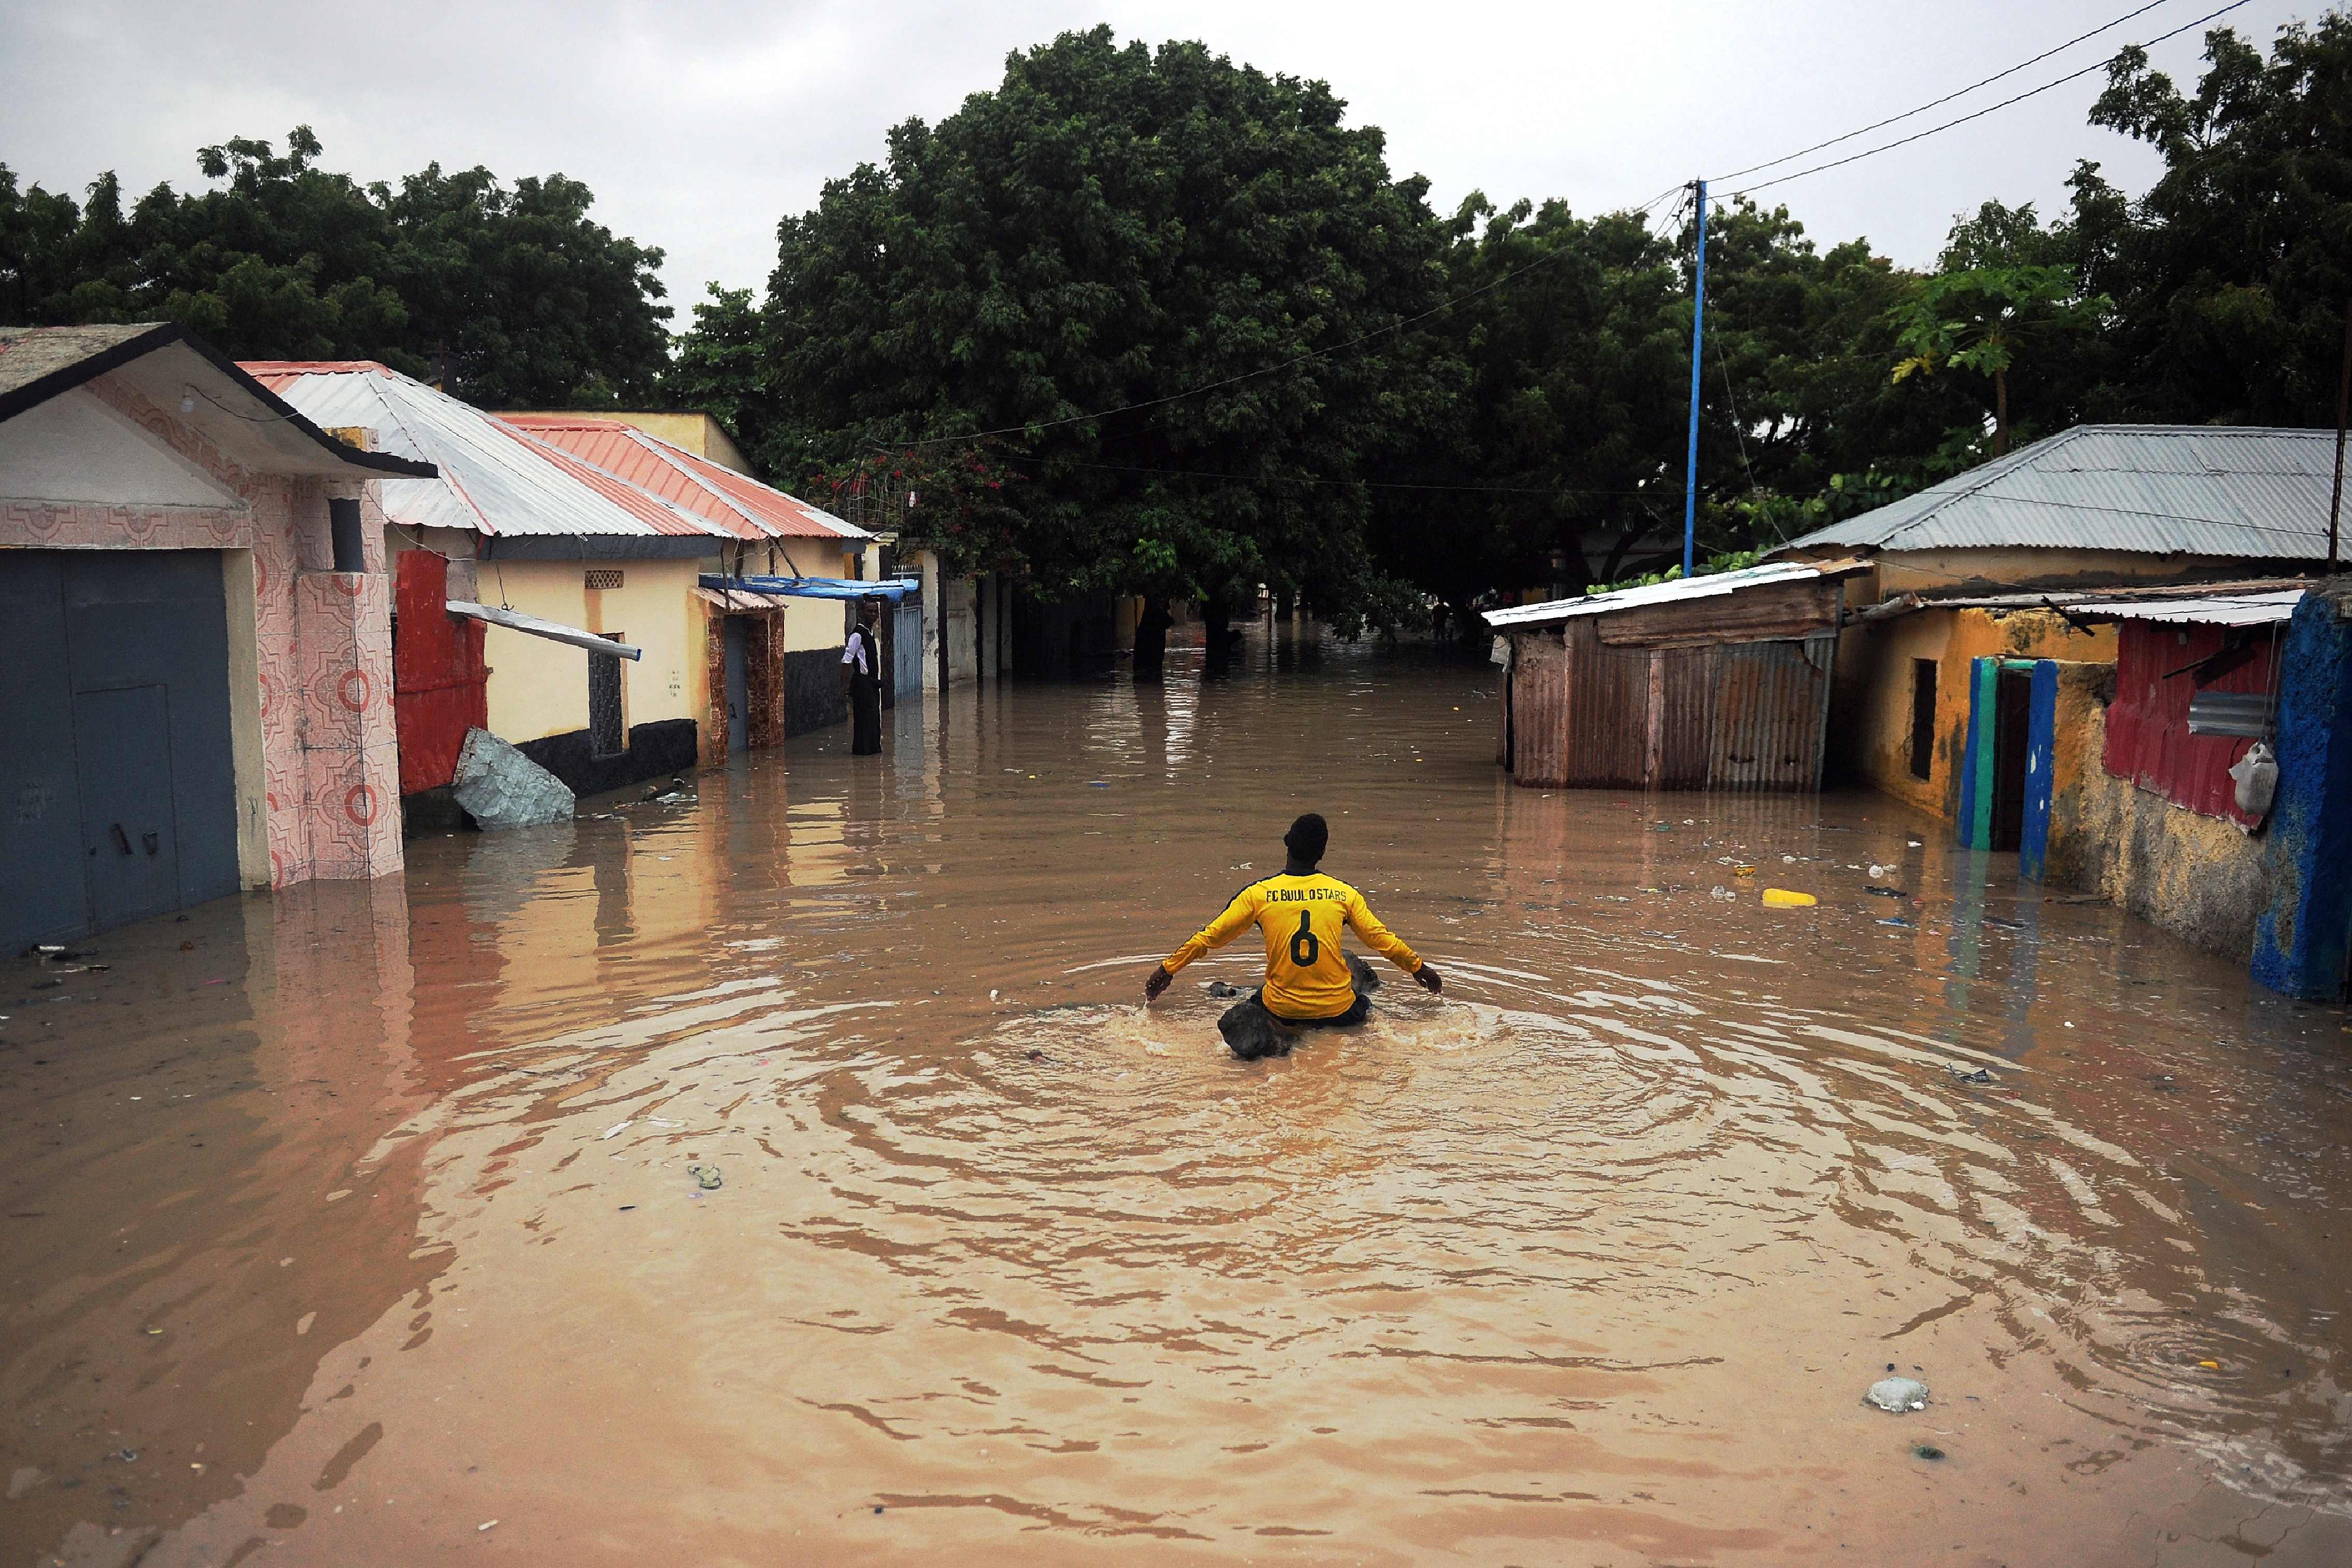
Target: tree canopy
point(508, 294)
point(1126, 260)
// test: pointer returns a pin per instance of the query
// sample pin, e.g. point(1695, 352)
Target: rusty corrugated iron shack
point(1719, 682)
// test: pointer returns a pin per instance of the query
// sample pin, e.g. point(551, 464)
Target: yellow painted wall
point(539, 687)
point(1870, 736)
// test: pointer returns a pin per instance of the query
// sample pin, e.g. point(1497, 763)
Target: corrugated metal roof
point(743, 507)
point(2210, 609)
point(494, 478)
point(1553, 611)
point(2164, 490)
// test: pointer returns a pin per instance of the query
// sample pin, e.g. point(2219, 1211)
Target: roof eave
point(83, 371)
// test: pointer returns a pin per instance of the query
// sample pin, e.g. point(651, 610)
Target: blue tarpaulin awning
point(893, 589)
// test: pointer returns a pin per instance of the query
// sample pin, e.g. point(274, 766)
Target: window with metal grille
point(600, 577)
point(606, 738)
point(1923, 718)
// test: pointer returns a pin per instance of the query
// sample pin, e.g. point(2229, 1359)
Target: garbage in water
point(1221, 991)
point(1884, 892)
point(1928, 1452)
point(1896, 921)
point(614, 1130)
point(1782, 899)
point(707, 1177)
point(1981, 1075)
point(1876, 871)
point(1897, 1396)
point(1743, 870)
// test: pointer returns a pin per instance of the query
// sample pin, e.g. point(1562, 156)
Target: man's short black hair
point(1308, 837)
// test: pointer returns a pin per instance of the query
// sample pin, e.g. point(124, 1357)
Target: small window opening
point(343, 531)
point(1923, 718)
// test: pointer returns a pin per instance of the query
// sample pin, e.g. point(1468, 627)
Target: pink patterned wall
point(323, 641)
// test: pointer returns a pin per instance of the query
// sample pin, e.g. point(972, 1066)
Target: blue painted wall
point(2303, 940)
point(2041, 752)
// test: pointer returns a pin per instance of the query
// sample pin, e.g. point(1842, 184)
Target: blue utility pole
point(1698, 337)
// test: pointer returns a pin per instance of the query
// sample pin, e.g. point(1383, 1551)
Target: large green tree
point(1171, 280)
point(511, 295)
point(2231, 275)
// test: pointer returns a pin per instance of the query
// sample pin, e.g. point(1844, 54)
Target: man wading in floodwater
point(1309, 981)
point(863, 655)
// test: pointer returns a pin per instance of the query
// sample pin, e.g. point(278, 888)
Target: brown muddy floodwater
point(343, 1225)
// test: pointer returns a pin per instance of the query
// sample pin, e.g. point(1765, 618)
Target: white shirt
point(854, 652)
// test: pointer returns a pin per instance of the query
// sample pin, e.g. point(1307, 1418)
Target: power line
point(1939, 102)
point(1978, 114)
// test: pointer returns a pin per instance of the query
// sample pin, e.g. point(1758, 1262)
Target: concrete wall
point(1870, 709)
point(2200, 877)
point(539, 687)
point(2303, 942)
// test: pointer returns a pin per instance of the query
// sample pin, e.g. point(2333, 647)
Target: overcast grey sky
point(699, 122)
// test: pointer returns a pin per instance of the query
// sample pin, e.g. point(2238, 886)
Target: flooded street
point(355, 1226)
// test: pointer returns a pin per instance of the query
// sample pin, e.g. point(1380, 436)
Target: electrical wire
point(1976, 115)
point(1939, 102)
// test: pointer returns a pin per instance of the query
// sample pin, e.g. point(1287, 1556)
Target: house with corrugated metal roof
point(2065, 651)
point(550, 530)
point(1960, 571)
point(194, 630)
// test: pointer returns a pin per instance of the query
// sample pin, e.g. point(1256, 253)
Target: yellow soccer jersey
point(1305, 974)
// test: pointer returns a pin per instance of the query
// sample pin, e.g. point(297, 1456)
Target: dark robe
point(865, 698)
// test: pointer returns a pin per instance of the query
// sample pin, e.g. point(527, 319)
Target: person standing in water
point(1301, 914)
point(863, 656)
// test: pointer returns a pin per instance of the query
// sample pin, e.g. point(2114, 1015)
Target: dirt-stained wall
point(2200, 877)
point(1870, 711)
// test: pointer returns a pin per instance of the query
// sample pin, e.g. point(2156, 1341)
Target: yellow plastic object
point(1743, 870)
point(1781, 899)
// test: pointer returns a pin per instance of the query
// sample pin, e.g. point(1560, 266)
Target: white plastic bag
point(2257, 776)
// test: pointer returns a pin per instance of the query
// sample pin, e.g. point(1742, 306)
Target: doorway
point(2012, 725)
point(739, 705)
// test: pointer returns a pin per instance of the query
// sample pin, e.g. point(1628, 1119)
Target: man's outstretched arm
point(1389, 945)
point(1216, 933)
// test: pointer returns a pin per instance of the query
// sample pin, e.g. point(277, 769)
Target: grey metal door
point(122, 742)
point(43, 890)
point(113, 711)
point(907, 652)
point(739, 707)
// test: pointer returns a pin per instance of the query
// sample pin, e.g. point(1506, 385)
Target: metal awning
point(1678, 590)
point(554, 631)
point(894, 590)
point(2213, 609)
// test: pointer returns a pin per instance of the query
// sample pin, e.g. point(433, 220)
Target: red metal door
point(440, 688)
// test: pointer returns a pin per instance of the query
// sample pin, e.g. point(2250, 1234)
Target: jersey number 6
point(1303, 949)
